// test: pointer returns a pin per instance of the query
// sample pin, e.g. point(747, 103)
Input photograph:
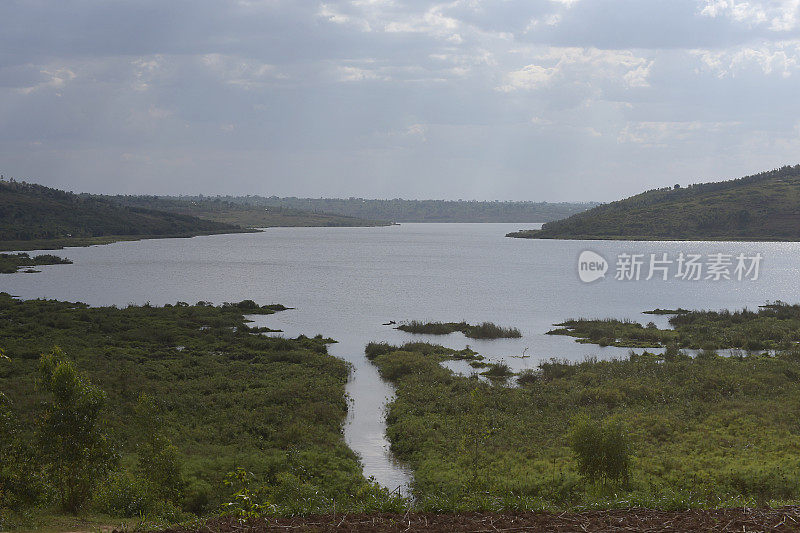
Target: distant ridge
point(400, 210)
point(35, 216)
point(761, 207)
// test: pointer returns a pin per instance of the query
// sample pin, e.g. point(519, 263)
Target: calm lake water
point(346, 282)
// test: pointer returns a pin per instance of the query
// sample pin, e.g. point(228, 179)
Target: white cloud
point(777, 15)
point(782, 58)
point(580, 64)
point(57, 78)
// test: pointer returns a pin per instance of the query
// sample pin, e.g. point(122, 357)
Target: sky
point(543, 100)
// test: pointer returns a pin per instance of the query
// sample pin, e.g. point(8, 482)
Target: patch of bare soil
point(628, 520)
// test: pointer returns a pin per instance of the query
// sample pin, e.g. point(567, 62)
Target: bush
point(124, 494)
point(601, 449)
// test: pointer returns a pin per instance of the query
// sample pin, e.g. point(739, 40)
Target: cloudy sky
point(477, 99)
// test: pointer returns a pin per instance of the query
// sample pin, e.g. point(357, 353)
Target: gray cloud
point(506, 99)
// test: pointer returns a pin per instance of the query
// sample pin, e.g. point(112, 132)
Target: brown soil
point(629, 520)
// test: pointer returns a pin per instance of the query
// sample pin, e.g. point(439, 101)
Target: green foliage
point(601, 449)
point(234, 211)
point(34, 212)
point(706, 432)
point(774, 326)
point(10, 263)
point(158, 460)
point(219, 395)
point(487, 330)
point(70, 436)
point(758, 207)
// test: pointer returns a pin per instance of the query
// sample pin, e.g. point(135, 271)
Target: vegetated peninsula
point(775, 326)
point(244, 214)
point(11, 263)
point(400, 210)
point(37, 217)
point(762, 207)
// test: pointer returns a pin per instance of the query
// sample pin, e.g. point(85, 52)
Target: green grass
point(229, 398)
point(762, 207)
point(486, 330)
point(704, 432)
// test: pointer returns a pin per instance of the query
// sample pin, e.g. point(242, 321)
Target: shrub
point(124, 494)
point(601, 449)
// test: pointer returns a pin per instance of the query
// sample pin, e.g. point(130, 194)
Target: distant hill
point(398, 210)
point(34, 216)
point(764, 206)
point(242, 214)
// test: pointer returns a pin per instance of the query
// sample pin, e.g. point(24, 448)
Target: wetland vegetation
point(648, 430)
point(486, 330)
point(774, 326)
point(170, 401)
point(10, 263)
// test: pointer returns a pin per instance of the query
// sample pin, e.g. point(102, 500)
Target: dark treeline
point(399, 210)
point(34, 212)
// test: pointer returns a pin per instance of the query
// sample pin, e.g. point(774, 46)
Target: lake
point(346, 282)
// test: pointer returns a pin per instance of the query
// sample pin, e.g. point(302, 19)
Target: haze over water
point(346, 282)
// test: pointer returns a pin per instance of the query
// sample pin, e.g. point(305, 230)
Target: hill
point(762, 207)
point(242, 214)
point(399, 210)
point(34, 216)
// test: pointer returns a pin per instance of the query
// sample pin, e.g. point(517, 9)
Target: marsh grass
point(699, 432)
point(486, 330)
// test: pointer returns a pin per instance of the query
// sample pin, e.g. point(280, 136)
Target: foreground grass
point(229, 398)
point(705, 432)
point(486, 330)
point(773, 327)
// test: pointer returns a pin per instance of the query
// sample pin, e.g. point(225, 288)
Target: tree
point(75, 449)
point(159, 460)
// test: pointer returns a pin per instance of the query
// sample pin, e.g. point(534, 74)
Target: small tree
point(75, 450)
point(601, 449)
point(159, 460)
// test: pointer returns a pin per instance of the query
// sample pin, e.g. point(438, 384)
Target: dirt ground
point(629, 520)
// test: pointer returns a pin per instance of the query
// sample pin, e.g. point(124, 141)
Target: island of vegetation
point(774, 326)
point(762, 207)
point(486, 330)
point(166, 413)
point(647, 431)
point(11, 263)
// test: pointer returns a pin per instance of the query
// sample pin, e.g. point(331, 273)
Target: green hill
point(762, 207)
point(35, 216)
point(242, 214)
